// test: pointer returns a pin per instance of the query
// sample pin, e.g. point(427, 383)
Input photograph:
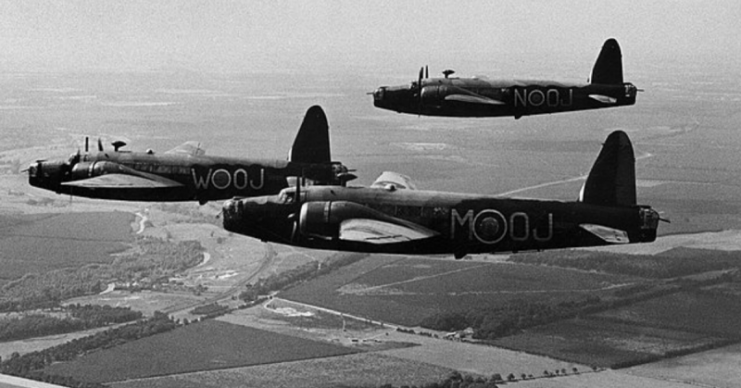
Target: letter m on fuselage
point(457, 220)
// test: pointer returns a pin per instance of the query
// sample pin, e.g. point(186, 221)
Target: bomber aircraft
point(185, 173)
point(391, 216)
point(482, 97)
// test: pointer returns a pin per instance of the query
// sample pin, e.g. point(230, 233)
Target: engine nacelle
point(434, 93)
point(323, 219)
point(92, 169)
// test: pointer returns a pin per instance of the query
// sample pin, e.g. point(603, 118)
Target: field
point(603, 343)
point(208, 345)
point(699, 312)
point(363, 370)
point(43, 242)
point(712, 368)
point(406, 290)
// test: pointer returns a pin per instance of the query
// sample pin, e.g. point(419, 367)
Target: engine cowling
point(434, 93)
point(324, 218)
point(92, 169)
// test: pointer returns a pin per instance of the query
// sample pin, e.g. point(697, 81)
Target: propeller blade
point(87, 147)
point(100, 145)
point(419, 91)
point(427, 72)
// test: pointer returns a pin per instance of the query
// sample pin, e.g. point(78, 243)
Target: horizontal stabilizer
point(603, 99)
point(381, 232)
point(122, 181)
point(473, 99)
point(610, 235)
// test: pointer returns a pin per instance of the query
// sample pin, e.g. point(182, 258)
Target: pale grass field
point(356, 370)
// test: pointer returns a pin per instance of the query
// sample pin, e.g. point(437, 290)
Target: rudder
point(612, 180)
point(608, 70)
point(312, 141)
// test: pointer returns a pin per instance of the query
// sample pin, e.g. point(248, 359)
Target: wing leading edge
point(382, 232)
point(122, 181)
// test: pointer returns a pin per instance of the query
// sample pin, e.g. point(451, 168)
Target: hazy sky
point(259, 35)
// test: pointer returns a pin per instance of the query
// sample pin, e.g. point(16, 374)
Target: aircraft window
point(162, 169)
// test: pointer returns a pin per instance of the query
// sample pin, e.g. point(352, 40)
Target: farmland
point(406, 290)
point(354, 370)
point(699, 312)
point(201, 346)
point(603, 343)
point(44, 242)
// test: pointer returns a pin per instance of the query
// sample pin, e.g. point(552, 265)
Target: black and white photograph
point(386, 194)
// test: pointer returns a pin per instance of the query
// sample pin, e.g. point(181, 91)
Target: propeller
point(419, 91)
point(297, 204)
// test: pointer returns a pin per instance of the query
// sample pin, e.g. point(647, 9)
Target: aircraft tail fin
point(312, 141)
point(608, 69)
point(612, 180)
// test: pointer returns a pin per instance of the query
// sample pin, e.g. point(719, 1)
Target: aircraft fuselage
point(462, 223)
point(184, 177)
point(479, 97)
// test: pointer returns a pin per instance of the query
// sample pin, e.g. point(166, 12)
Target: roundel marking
point(489, 226)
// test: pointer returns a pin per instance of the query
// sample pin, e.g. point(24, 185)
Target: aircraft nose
point(232, 209)
point(46, 174)
point(379, 93)
point(32, 170)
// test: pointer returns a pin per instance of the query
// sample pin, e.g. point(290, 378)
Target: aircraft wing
point(603, 99)
point(473, 99)
point(382, 232)
point(122, 181)
point(610, 235)
point(192, 148)
point(390, 179)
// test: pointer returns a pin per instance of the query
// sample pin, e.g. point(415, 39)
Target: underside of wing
point(122, 181)
point(471, 99)
point(394, 180)
point(192, 148)
point(603, 99)
point(610, 235)
point(381, 232)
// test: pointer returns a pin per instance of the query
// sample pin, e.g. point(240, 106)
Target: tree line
point(31, 365)
point(72, 318)
point(675, 263)
point(151, 257)
point(302, 273)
